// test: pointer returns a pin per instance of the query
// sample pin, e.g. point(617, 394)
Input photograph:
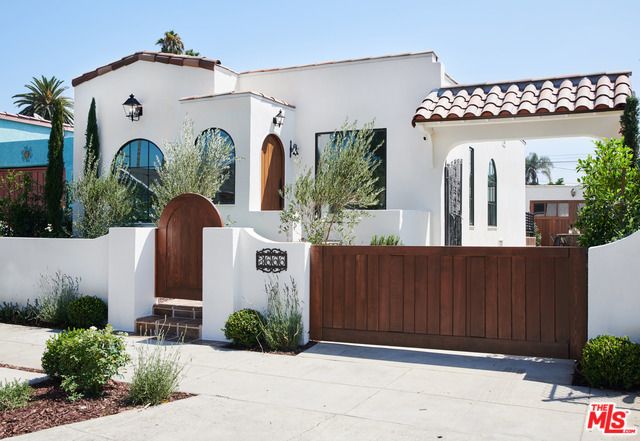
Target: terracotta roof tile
point(578, 93)
point(153, 57)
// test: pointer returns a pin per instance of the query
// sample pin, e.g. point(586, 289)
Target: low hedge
point(611, 362)
point(244, 328)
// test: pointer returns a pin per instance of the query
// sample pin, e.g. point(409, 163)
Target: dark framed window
point(379, 150)
point(227, 193)
point(492, 195)
point(137, 162)
point(472, 184)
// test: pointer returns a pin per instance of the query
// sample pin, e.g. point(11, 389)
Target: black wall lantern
point(293, 149)
point(132, 108)
point(278, 120)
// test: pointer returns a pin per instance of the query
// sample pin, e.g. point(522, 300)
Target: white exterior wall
point(553, 193)
point(509, 160)
point(613, 288)
point(231, 281)
point(385, 90)
point(157, 86)
point(24, 260)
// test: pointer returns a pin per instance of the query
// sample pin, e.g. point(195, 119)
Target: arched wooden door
point(272, 173)
point(179, 245)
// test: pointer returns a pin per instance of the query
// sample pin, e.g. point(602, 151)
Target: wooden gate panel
point(179, 246)
point(509, 300)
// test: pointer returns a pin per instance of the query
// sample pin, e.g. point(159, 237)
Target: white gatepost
point(131, 280)
point(219, 279)
point(231, 280)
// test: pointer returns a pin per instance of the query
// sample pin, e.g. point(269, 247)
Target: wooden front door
point(272, 174)
point(179, 246)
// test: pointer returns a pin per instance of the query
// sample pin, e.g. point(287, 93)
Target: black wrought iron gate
point(453, 202)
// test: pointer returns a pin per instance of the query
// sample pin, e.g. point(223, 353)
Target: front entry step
point(174, 319)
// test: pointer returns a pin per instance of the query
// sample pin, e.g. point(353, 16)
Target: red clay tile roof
point(154, 57)
point(546, 96)
point(36, 121)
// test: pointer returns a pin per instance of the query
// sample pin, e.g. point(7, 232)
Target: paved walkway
point(344, 392)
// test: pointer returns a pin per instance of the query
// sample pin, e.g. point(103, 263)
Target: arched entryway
point(272, 181)
point(179, 245)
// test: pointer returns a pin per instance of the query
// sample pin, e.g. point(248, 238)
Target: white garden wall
point(24, 260)
point(232, 282)
point(614, 293)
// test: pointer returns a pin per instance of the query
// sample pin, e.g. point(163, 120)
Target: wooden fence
point(525, 301)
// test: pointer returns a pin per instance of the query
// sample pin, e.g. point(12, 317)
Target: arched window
point(137, 162)
point(492, 195)
point(227, 193)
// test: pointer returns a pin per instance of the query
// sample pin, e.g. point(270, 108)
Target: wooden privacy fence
point(523, 301)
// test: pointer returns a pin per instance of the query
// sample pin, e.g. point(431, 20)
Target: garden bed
point(49, 407)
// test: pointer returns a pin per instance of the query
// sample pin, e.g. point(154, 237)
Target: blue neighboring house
point(24, 145)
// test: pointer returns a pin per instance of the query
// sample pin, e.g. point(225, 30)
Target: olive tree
point(333, 200)
point(193, 164)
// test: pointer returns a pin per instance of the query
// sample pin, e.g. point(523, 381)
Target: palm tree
point(44, 93)
point(535, 164)
point(171, 43)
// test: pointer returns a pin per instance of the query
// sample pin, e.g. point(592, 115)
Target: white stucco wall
point(232, 282)
point(24, 260)
point(509, 161)
point(614, 298)
point(553, 193)
point(385, 89)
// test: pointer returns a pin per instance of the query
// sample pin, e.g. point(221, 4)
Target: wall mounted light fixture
point(132, 108)
point(293, 149)
point(278, 120)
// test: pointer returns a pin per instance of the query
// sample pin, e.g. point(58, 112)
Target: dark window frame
point(383, 164)
point(492, 205)
point(148, 202)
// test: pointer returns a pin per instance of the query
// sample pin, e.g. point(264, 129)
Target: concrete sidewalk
point(338, 391)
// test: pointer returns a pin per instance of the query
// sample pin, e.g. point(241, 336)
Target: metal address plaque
point(271, 260)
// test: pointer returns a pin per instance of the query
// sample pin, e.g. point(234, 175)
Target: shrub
point(283, 325)
point(389, 240)
point(14, 395)
point(87, 311)
point(611, 185)
point(106, 200)
point(156, 375)
point(244, 328)
point(60, 290)
point(22, 211)
point(611, 362)
point(83, 360)
point(17, 314)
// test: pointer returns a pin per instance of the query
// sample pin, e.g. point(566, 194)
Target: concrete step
point(170, 327)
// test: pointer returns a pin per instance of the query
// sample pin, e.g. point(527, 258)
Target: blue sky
point(478, 41)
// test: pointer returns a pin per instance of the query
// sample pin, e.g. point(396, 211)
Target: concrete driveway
point(345, 392)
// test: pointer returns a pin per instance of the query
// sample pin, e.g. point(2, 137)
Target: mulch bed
point(300, 349)
point(49, 407)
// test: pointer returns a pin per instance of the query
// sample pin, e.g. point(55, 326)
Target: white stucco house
point(452, 170)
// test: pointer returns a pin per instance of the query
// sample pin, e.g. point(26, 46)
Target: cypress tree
point(629, 126)
point(54, 185)
point(92, 140)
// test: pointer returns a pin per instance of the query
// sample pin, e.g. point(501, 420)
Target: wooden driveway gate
point(523, 301)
